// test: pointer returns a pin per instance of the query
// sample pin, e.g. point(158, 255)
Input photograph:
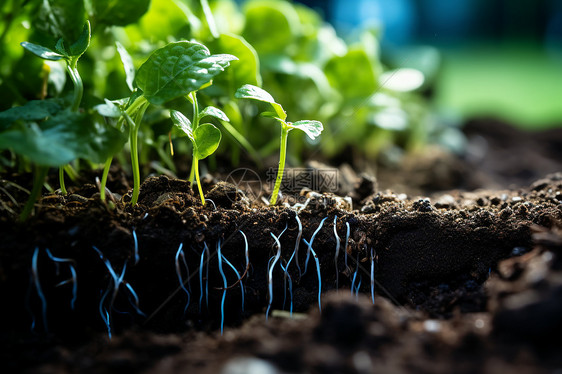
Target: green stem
point(61, 181)
point(196, 168)
point(69, 170)
point(38, 180)
point(77, 81)
point(133, 142)
point(192, 172)
point(104, 177)
point(282, 155)
point(195, 123)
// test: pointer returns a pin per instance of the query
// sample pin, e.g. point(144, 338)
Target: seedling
point(310, 127)
point(71, 57)
point(181, 69)
point(205, 140)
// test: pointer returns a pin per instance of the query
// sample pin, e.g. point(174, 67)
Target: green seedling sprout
point(70, 57)
point(310, 127)
point(205, 140)
point(175, 70)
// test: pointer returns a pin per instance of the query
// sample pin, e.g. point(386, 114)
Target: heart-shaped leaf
point(311, 128)
point(43, 52)
point(178, 69)
point(249, 91)
point(207, 140)
point(214, 112)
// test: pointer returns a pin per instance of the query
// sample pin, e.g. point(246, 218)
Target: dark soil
point(463, 281)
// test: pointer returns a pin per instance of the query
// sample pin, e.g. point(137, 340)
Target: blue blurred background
point(500, 58)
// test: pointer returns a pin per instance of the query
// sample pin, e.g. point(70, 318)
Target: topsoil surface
point(446, 264)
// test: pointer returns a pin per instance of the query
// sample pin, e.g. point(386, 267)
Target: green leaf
point(245, 70)
point(271, 26)
point(127, 64)
point(178, 69)
point(182, 123)
point(35, 110)
point(57, 19)
point(109, 109)
point(249, 91)
point(353, 75)
point(60, 47)
point(63, 138)
point(40, 51)
point(119, 13)
point(311, 128)
point(207, 139)
point(214, 112)
point(79, 47)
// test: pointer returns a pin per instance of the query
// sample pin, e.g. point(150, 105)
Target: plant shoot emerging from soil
point(205, 140)
point(310, 127)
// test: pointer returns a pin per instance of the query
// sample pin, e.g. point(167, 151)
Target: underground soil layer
point(462, 282)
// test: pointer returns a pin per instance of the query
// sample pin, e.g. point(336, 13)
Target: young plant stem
point(134, 126)
point(78, 92)
point(192, 96)
point(38, 180)
point(61, 181)
point(69, 170)
point(77, 81)
point(196, 169)
point(282, 156)
point(103, 183)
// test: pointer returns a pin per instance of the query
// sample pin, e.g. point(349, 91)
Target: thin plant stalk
point(77, 81)
point(195, 123)
point(71, 66)
point(133, 141)
point(103, 183)
point(38, 180)
point(282, 156)
point(196, 168)
point(61, 181)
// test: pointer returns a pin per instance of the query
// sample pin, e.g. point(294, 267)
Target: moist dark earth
point(452, 264)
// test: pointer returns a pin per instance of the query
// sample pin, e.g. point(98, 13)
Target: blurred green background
point(500, 58)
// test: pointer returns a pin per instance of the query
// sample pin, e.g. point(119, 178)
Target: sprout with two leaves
point(205, 140)
point(310, 127)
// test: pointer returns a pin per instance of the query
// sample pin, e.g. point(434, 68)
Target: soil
point(452, 264)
